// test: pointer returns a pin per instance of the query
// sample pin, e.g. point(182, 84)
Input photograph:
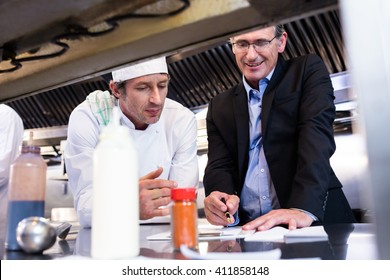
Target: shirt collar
point(248, 87)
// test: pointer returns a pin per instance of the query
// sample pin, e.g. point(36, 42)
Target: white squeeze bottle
point(115, 208)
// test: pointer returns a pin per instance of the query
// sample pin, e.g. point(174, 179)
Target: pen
point(227, 214)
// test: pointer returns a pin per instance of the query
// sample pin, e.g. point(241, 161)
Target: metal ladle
point(35, 234)
point(63, 229)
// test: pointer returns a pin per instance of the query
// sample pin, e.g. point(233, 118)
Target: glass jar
point(184, 214)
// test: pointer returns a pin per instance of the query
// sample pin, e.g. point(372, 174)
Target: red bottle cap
point(183, 194)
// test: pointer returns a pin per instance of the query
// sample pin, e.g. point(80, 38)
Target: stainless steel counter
point(345, 241)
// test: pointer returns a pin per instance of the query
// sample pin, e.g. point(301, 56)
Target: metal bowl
point(35, 234)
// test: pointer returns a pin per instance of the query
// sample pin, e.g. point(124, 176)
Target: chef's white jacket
point(11, 138)
point(169, 143)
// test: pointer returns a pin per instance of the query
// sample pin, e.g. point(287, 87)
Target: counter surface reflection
point(345, 241)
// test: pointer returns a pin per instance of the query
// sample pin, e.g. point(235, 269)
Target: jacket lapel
point(270, 92)
point(240, 110)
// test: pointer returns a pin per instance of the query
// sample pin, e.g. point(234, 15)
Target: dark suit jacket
point(297, 116)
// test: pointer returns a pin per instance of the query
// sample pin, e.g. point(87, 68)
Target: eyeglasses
point(258, 45)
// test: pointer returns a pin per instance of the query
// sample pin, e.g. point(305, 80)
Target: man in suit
point(270, 141)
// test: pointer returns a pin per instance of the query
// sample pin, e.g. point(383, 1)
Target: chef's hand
point(215, 209)
point(154, 194)
point(291, 217)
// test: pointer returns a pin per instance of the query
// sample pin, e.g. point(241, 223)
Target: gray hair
point(279, 29)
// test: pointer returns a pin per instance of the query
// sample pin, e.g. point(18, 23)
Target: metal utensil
point(63, 229)
point(35, 234)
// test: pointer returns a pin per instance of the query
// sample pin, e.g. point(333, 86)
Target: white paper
point(264, 255)
point(202, 222)
point(275, 234)
point(157, 220)
point(281, 234)
point(307, 234)
point(206, 233)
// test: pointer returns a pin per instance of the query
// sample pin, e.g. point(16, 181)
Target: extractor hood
point(48, 44)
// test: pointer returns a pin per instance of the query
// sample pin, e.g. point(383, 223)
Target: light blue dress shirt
point(258, 195)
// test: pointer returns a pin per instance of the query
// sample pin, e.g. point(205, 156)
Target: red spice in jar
point(184, 216)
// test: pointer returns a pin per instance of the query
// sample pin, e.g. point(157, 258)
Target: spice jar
point(184, 216)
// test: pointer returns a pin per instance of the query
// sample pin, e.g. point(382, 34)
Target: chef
point(11, 138)
point(163, 131)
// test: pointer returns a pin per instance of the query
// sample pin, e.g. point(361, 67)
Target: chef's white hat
point(153, 66)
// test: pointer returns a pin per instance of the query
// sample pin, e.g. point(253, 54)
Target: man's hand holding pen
point(227, 214)
point(220, 208)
